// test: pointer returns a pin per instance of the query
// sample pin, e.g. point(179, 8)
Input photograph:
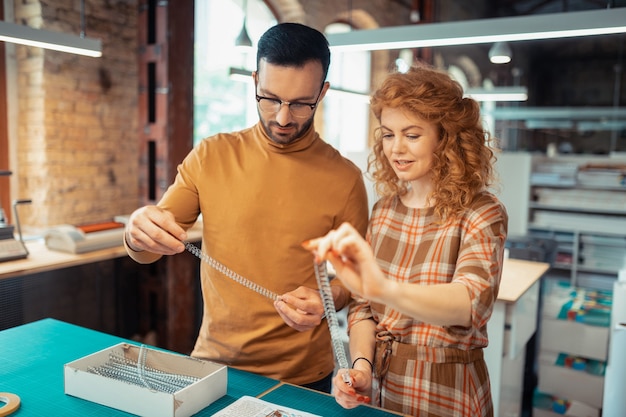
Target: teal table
point(32, 357)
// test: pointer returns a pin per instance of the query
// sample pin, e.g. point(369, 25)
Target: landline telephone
point(10, 248)
point(84, 238)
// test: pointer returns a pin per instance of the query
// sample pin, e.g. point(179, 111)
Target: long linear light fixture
point(26, 35)
point(503, 29)
point(563, 113)
point(498, 93)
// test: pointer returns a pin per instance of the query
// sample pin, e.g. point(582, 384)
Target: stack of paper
point(247, 406)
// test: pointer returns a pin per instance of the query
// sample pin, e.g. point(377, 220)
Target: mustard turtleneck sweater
point(259, 201)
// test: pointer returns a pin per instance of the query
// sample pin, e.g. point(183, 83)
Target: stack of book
point(602, 175)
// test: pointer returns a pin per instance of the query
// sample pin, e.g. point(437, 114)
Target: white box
point(575, 338)
point(140, 400)
point(569, 383)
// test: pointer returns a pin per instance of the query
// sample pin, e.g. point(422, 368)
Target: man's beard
point(286, 139)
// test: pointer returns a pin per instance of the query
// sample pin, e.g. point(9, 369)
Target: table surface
point(32, 357)
point(518, 276)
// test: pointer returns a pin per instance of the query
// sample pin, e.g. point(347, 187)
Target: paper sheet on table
point(247, 406)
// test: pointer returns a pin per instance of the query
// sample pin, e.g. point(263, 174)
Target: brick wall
point(77, 127)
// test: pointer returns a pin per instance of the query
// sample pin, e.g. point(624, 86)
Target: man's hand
point(301, 309)
point(153, 229)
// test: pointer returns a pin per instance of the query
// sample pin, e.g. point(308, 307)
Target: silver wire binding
point(331, 316)
point(121, 368)
point(229, 273)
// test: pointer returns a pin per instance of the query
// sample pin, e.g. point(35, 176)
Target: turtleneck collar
point(304, 142)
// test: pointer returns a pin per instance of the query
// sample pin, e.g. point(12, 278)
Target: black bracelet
point(366, 360)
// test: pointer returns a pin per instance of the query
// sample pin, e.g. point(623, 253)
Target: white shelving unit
point(580, 203)
point(584, 210)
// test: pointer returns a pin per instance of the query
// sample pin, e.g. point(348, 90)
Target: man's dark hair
point(293, 45)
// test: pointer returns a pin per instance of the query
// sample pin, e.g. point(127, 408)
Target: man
point(262, 192)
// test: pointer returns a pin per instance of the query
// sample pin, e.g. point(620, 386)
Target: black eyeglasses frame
point(289, 103)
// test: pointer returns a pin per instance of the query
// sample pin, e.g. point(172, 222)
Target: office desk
point(32, 357)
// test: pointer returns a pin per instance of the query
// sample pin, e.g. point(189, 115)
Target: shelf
point(533, 227)
point(589, 223)
point(562, 265)
point(534, 205)
point(562, 238)
point(576, 186)
point(612, 241)
point(597, 270)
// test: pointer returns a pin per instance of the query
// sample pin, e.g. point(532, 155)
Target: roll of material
point(12, 403)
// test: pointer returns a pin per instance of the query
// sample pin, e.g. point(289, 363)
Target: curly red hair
point(463, 159)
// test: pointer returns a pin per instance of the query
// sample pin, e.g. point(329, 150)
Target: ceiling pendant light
point(243, 40)
point(500, 53)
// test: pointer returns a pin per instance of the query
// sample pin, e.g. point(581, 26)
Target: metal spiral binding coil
point(137, 373)
point(331, 316)
point(229, 273)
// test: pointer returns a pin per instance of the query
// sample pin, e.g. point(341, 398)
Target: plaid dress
point(429, 370)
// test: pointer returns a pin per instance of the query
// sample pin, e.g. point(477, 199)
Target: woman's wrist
point(362, 363)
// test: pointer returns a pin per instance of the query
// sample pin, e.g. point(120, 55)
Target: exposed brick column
point(165, 137)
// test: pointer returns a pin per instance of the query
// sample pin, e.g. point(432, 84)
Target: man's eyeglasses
point(296, 108)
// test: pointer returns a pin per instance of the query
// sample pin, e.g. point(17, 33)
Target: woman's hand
point(353, 260)
point(352, 396)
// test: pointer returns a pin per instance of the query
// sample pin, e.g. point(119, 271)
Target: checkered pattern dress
point(429, 370)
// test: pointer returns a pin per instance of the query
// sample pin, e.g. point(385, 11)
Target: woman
point(427, 277)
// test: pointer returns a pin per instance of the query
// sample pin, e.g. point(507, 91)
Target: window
point(346, 114)
point(221, 103)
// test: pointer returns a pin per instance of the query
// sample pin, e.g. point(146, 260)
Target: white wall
point(513, 170)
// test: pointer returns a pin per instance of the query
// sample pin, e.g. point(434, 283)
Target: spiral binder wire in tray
point(145, 381)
